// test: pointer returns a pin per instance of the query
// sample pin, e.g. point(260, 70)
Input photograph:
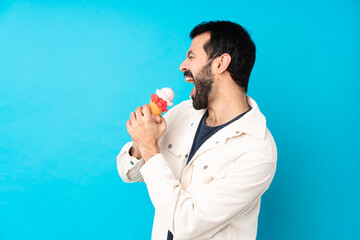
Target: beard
point(203, 86)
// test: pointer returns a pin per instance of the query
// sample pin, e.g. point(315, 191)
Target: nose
point(183, 66)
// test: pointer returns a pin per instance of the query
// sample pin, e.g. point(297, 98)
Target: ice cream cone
point(161, 100)
point(154, 109)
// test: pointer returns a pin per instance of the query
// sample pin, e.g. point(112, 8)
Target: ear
point(223, 63)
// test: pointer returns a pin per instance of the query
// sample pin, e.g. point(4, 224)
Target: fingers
point(163, 125)
point(128, 125)
point(132, 118)
point(146, 111)
point(157, 119)
point(138, 113)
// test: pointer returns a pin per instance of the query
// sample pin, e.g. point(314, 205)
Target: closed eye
point(190, 54)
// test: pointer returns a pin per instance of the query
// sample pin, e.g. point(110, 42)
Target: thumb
point(163, 125)
point(157, 119)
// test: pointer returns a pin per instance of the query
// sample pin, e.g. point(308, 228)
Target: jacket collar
point(252, 123)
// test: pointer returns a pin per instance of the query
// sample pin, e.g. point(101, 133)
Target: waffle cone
point(154, 109)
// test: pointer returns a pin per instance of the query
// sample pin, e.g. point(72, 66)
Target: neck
point(226, 107)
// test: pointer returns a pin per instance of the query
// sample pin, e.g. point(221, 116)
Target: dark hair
point(231, 38)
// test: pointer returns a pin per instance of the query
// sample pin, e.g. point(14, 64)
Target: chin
point(197, 105)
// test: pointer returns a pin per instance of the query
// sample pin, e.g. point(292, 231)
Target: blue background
point(71, 73)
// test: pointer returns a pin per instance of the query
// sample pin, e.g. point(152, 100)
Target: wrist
point(150, 152)
point(134, 153)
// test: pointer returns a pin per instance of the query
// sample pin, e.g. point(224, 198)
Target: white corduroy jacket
point(217, 195)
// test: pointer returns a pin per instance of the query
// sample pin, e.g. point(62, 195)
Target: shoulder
point(256, 141)
point(179, 111)
point(187, 104)
point(258, 150)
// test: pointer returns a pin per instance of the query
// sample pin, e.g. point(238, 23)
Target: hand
point(134, 150)
point(146, 130)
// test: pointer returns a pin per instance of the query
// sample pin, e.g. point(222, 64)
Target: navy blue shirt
point(204, 132)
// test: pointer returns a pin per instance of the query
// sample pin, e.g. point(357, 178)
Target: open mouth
point(189, 79)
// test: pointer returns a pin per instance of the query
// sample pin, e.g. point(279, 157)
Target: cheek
point(195, 71)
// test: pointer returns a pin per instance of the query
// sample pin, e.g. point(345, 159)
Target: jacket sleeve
point(213, 204)
point(128, 166)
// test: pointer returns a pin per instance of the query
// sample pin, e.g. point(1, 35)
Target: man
point(209, 160)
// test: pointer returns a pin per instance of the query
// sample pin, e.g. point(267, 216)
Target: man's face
point(197, 70)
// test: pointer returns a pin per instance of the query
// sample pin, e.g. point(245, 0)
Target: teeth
point(189, 80)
